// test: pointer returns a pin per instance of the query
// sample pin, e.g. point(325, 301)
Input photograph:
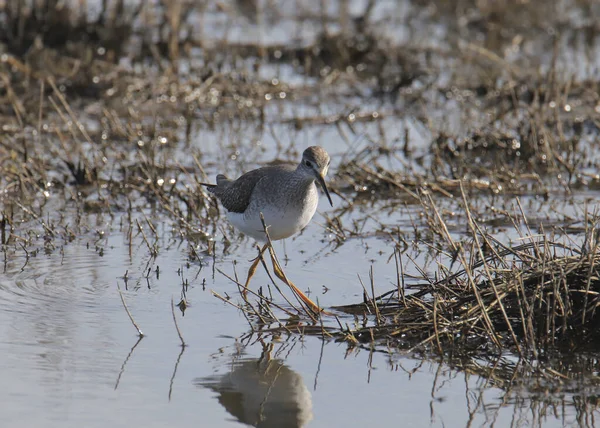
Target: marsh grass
point(523, 316)
point(97, 110)
point(531, 297)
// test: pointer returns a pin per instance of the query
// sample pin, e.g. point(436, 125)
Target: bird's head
point(315, 161)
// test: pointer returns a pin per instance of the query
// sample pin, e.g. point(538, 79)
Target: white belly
point(281, 223)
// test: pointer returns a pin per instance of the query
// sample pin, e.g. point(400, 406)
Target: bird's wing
point(235, 195)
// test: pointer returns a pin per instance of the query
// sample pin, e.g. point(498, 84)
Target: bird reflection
point(263, 393)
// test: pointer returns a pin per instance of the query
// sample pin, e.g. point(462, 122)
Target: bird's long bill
point(321, 181)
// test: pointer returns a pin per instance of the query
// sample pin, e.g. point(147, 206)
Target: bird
point(286, 196)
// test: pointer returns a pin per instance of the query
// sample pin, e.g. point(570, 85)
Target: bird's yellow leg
point(279, 272)
point(252, 269)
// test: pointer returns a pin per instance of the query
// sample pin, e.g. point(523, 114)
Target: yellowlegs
point(287, 197)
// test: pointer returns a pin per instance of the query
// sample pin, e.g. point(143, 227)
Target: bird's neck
point(305, 177)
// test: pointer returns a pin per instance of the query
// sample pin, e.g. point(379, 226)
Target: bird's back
point(235, 195)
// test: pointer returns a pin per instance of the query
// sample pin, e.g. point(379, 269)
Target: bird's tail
point(221, 180)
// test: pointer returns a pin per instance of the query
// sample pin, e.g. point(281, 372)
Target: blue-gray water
point(69, 356)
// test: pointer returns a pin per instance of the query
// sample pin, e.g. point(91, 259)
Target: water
point(70, 356)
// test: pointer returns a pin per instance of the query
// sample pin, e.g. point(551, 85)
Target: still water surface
point(69, 356)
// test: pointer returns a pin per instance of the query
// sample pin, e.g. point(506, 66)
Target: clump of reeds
point(83, 32)
point(526, 298)
point(531, 298)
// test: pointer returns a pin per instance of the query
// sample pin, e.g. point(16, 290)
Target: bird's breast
point(285, 215)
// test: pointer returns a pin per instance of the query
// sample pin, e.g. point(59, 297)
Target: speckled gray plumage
point(235, 195)
point(283, 189)
point(279, 184)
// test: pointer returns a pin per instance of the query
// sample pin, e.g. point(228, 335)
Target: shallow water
point(70, 356)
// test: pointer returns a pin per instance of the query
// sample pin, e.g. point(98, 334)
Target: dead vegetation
point(101, 116)
point(534, 297)
point(515, 314)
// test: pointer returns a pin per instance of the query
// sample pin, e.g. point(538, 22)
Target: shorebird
point(285, 195)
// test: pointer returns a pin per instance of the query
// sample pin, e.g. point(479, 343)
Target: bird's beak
point(321, 181)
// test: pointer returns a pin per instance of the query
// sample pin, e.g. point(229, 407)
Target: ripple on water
point(55, 296)
point(57, 329)
point(51, 278)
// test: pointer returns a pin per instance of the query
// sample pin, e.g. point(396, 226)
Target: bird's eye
point(307, 163)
